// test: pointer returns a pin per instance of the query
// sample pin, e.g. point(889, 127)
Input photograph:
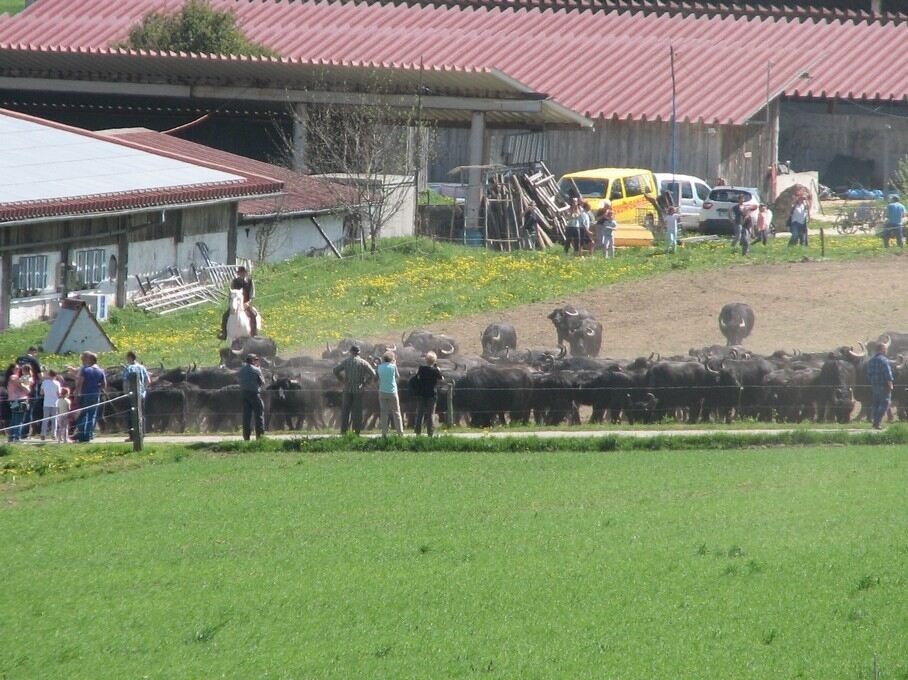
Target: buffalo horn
point(863, 347)
point(391, 348)
point(403, 337)
point(195, 366)
point(447, 349)
point(570, 311)
point(658, 356)
point(710, 368)
point(733, 353)
point(507, 352)
point(497, 336)
point(162, 365)
point(722, 323)
point(742, 324)
point(590, 332)
point(651, 355)
point(562, 352)
point(886, 339)
point(901, 360)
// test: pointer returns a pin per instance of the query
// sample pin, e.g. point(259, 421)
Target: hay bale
point(781, 209)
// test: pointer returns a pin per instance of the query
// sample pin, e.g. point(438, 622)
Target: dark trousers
point(763, 236)
point(745, 241)
point(880, 406)
point(352, 412)
point(890, 232)
point(572, 239)
point(253, 407)
point(425, 411)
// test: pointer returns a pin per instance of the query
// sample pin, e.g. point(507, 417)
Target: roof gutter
point(128, 211)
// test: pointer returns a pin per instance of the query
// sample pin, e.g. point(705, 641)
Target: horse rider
point(244, 283)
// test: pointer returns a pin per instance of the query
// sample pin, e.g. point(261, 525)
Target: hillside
point(647, 300)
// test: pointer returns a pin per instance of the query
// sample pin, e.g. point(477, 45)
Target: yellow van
point(626, 188)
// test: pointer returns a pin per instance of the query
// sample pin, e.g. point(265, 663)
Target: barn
point(711, 89)
point(82, 212)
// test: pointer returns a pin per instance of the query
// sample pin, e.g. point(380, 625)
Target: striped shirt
point(879, 371)
point(354, 372)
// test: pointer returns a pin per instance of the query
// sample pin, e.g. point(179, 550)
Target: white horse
point(238, 326)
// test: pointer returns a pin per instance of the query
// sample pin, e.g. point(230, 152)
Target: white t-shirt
point(799, 213)
point(51, 389)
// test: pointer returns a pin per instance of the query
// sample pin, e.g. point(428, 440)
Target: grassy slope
point(307, 302)
point(756, 563)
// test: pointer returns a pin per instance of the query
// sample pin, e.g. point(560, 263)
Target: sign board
point(76, 330)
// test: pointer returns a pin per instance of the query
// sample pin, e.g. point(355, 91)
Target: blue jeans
point(881, 400)
point(18, 412)
point(85, 426)
point(798, 234)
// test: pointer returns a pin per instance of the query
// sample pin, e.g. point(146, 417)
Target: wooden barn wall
point(706, 151)
point(812, 136)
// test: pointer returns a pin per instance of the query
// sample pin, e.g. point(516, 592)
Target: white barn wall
point(292, 236)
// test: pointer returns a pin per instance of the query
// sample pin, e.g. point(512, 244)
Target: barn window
point(30, 275)
point(91, 267)
point(112, 268)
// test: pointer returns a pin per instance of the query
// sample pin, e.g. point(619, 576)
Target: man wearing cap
point(244, 283)
point(354, 372)
point(895, 215)
point(251, 380)
point(879, 374)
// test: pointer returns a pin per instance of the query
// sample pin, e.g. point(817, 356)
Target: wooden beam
point(231, 233)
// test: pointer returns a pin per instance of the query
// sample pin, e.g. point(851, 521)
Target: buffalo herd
point(551, 386)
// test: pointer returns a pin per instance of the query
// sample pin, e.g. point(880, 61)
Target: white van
point(692, 190)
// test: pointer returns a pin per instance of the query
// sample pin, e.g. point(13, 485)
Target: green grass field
point(307, 302)
point(754, 563)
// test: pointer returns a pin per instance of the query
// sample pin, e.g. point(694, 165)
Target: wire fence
point(183, 407)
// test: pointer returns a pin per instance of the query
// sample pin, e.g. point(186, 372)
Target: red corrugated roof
point(613, 64)
point(302, 193)
point(252, 184)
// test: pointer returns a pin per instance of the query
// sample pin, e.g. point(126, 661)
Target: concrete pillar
point(122, 264)
point(474, 175)
point(231, 233)
point(300, 125)
point(6, 284)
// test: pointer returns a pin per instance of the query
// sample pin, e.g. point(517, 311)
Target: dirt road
point(809, 305)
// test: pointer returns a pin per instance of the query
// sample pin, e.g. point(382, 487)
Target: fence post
point(449, 416)
point(822, 243)
point(136, 417)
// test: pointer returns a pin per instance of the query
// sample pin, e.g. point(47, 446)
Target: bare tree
point(370, 151)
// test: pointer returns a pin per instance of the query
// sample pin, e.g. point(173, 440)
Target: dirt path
point(809, 305)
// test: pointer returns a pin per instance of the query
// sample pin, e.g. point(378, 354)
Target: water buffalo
point(426, 341)
point(489, 393)
point(566, 320)
point(898, 342)
point(736, 321)
point(343, 347)
point(498, 339)
point(235, 355)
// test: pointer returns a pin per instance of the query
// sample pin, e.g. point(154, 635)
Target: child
point(672, 218)
point(605, 229)
point(50, 387)
point(63, 404)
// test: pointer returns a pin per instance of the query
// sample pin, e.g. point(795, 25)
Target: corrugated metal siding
point(613, 64)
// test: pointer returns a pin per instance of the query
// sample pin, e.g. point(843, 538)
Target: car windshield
point(728, 195)
point(588, 188)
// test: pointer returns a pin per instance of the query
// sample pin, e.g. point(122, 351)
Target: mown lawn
point(756, 563)
point(307, 302)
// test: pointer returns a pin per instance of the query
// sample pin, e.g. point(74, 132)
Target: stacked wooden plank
point(519, 188)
